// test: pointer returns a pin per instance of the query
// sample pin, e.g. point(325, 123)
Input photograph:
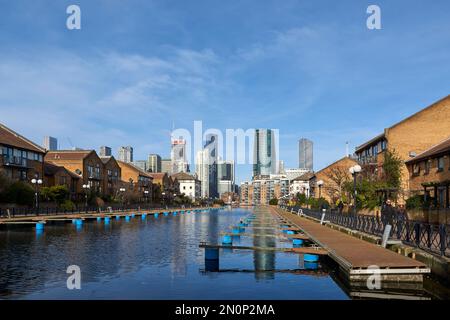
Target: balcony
point(13, 161)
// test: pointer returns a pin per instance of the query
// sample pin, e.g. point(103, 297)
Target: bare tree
point(339, 176)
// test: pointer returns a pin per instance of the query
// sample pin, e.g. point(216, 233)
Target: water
point(155, 258)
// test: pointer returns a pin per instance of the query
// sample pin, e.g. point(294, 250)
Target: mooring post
point(386, 233)
point(322, 220)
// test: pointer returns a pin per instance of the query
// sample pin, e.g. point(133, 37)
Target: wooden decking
point(354, 256)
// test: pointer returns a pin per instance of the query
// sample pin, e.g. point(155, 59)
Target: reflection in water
point(264, 260)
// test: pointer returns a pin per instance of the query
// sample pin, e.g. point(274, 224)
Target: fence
point(23, 212)
point(434, 238)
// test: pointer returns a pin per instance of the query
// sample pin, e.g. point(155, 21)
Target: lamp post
point(86, 187)
point(164, 198)
point(354, 172)
point(36, 182)
point(146, 196)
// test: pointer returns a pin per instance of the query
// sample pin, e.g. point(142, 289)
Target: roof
point(304, 177)
point(51, 169)
point(183, 176)
point(157, 175)
point(400, 122)
point(12, 138)
point(132, 166)
point(435, 151)
point(67, 154)
point(106, 159)
point(332, 164)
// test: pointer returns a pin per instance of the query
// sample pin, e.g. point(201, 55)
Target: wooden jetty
point(358, 258)
point(304, 250)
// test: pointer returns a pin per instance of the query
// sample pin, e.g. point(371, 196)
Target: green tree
point(392, 169)
point(19, 192)
point(273, 201)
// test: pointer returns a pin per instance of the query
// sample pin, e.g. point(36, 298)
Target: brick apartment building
point(429, 174)
point(408, 138)
point(21, 159)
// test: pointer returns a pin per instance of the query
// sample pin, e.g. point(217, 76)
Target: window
point(23, 175)
point(440, 164)
point(427, 166)
point(383, 145)
point(416, 169)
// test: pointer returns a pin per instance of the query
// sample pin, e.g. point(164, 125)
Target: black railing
point(24, 212)
point(434, 238)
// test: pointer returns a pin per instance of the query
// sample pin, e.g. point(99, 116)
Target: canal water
point(153, 258)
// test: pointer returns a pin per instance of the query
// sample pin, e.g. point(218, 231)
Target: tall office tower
point(50, 143)
point(225, 177)
point(202, 171)
point(141, 164)
point(178, 155)
point(211, 145)
point(154, 163)
point(280, 167)
point(105, 151)
point(166, 166)
point(264, 157)
point(126, 154)
point(305, 154)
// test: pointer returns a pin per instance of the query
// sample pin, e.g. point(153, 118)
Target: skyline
point(288, 66)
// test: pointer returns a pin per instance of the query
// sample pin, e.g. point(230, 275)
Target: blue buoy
point(78, 222)
point(174, 213)
point(311, 265)
point(211, 254)
point(39, 226)
point(227, 239)
point(166, 214)
point(297, 242)
point(144, 216)
point(132, 215)
point(107, 219)
point(99, 219)
point(311, 257)
point(127, 218)
point(156, 215)
point(117, 217)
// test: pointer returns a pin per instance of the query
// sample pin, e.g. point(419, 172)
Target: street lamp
point(146, 196)
point(320, 184)
point(164, 198)
point(86, 187)
point(36, 182)
point(122, 191)
point(354, 172)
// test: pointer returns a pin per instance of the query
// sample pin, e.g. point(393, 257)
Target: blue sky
point(308, 68)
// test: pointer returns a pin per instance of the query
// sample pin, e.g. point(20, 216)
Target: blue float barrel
point(78, 222)
point(143, 216)
point(290, 232)
point(166, 214)
point(156, 215)
point(39, 226)
point(127, 218)
point(107, 219)
point(211, 254)
point(311, 265)
point(297, 242)
point(117, 217)
point(311, 257)
point(174, 213)
point(227, 239)
point(99, 219)
point(236, 231)
point(132, 215)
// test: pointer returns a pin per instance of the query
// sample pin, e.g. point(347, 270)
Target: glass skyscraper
point(264, 157)
point(305, 154)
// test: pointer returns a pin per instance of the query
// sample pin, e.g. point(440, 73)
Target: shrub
point(57, 194)
point(67, 205)
point(19, 193)
point(415, 202)
point(273, 201)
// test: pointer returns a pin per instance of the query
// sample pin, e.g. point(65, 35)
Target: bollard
point(227, 240)
point(386, 233)
point(322, 219)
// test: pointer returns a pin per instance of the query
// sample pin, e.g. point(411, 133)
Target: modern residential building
point(264, 188)
point(105, 151)
point(264, 157)
point(112, 174)
point(85, 163)
point(59, 176)
point(407, 138)
point(141, 164)
point(166, 166)
point(154, 163)
point(333, 176)
point(188, 185)
point(178, 155)
point(125, 154)
point(50, 143)
point(21, 159)
point(429, 175)
point(136, 181)
point(211, 148)
point(305, 154)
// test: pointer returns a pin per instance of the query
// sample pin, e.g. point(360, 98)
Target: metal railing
point(434, 238)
